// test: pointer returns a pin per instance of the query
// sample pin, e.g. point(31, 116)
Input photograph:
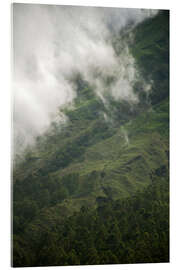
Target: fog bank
point(49, 44)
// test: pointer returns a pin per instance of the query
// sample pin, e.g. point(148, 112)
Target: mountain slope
point(102, 164)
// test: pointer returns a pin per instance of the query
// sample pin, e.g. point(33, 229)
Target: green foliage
point(151, 51)
point(133, 230)
point(96, 191)
point(87, 110)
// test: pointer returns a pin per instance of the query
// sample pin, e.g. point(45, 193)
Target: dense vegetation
point(96, 190)
point(152, 54)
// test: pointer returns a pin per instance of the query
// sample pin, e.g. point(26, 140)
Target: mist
point(50, 43)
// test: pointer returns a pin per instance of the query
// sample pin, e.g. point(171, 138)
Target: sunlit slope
point(116, 168)
point(113, 167)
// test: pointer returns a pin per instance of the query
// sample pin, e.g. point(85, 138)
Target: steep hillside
point(152, 54)
point(105, 168)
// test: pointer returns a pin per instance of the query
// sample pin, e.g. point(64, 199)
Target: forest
point(95, 190)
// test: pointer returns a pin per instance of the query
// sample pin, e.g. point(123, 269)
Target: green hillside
point(95, 190)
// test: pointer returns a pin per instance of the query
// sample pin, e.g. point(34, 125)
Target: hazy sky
point(51, 42)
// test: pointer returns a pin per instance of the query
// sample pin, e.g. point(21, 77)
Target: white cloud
point(49, 43)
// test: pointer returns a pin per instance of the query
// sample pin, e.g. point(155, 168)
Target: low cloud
point(49, 44)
